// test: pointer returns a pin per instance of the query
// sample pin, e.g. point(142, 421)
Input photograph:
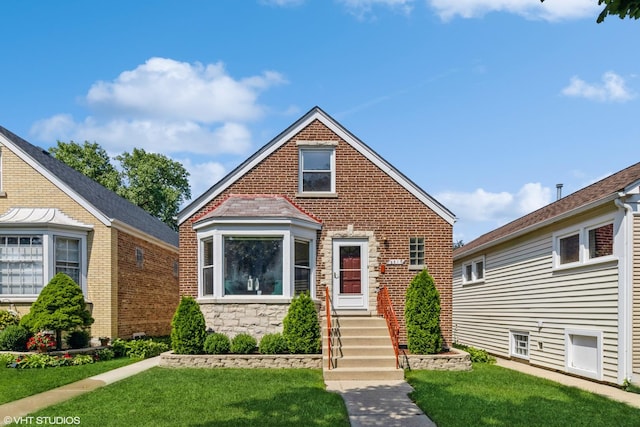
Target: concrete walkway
point(22, 407)
point(380, 403)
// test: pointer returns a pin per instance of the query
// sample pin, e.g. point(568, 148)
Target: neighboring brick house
point(313, 208)
point(55, 219)
point(559, 287)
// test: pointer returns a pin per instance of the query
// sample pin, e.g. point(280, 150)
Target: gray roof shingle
point(107, 202)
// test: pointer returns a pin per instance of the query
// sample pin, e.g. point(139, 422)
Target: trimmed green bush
point(59, 307)
point(119, 347)
point(143, 349)
point(243, 344)
point(8, 318)
point(301, 327)
point(78, 338)
point(477, 355)
point(273, 344)
point(14, 338)
point(217, 343)
point(188, 328)
point(422, 314)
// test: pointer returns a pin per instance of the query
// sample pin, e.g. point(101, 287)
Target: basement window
point(520, 344)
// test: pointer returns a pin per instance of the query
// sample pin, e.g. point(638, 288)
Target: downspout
point(625, 294)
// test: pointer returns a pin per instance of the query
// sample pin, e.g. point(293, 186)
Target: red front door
point(350, 270)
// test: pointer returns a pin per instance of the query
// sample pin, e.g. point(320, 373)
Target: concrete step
point(362, 350)
point(355, 322)
point(362, 374)
point(385, 361)
point(349, 331)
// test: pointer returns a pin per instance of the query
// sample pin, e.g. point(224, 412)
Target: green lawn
point(494, 396)
point(19, 383)
point(210, 397)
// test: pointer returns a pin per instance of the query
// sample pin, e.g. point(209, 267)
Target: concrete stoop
point(362, 351)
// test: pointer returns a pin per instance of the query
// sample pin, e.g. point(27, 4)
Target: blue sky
point(485, 104)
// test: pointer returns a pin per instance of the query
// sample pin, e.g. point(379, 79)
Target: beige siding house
point(54, 219)
point(559, 288)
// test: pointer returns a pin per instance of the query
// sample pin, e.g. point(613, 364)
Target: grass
point(19, 383)
point(210, 397)
point(494, 396)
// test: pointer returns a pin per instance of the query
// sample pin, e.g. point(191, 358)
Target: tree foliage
point(152, 181)
point(422, 314)
point(622, 8)
point(301, 328)
point(188, 328)
point(59, 307)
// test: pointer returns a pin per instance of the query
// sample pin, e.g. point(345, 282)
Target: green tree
point(155, 183)
point(188, 328)
point(622, 8)
point(422, 314)
point(89, 159)
point(152, 181)
point(301, 328)
point(59, 307)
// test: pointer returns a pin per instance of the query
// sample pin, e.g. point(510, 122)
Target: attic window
point(139, 257)
point(317, 170)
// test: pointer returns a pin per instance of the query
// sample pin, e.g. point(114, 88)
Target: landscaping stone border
point(454, 360)
point(171, 360)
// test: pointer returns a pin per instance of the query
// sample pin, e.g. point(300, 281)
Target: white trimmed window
point(302, 266)
point(473, 271)
point(585, 244)
point(416, 253)
point(206, 262)
point(317, 170)
point(520, 344)
point(29, 261)
point(583, 353)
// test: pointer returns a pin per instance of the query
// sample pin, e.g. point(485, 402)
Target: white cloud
point(550, 10)
point(481, 211)
point(612, 89)
point(202, 175)
point(364, 8)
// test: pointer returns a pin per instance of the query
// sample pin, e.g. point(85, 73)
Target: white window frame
point(513, 344)
point(48, 257)
point(570, 352)
point(474, 271)
point(289, 234)
point(319, 147)
point(582, 230)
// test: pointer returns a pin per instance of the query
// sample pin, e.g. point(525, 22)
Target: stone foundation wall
point(458, 360)
point(256, 319)
point(171, 360)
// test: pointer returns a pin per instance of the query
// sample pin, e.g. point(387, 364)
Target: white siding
point(636, 299)
point(521, 289)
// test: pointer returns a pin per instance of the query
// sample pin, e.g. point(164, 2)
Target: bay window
point(252, 265)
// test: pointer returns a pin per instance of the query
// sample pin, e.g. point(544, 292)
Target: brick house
point(54, 219)
point(314, 208)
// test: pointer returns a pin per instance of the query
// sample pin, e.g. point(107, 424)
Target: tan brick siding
point(147, 292)
point(368, 200)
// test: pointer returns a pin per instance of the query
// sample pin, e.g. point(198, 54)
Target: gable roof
point(314, 114)
point(591, 196)
point(107, 206)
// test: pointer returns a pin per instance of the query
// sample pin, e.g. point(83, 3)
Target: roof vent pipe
point(559, 191)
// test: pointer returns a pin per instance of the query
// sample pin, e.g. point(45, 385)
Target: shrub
point(59, 307)
point(301, 327)
point(14, 338)
point(243, 344)
point(273, 344)
point(41, 342)
point(143, 349)
point(188, 328)
point(104, 354)
point(217, 343)
point(422, 315)
point(8, 318)
point(6, 359)
point(477, 355)
point(119, 347)
point(78, 339)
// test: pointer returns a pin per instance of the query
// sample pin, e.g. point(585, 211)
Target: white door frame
point(351, 301)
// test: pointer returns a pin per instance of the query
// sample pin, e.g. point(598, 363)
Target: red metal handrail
point(329, 328)
point(385, 309)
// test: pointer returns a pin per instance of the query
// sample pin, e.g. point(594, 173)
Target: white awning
point(33, 217)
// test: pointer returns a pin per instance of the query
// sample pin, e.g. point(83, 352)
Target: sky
point(484, 104)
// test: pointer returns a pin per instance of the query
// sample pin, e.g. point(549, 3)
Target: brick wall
point(148, 290)
point(368, 200)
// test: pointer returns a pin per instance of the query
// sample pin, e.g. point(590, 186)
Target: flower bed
point(453, 360)
point(172, 360)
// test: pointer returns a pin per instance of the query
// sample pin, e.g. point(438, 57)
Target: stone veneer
point(458, 361)
point(255, 319)
point(308, 361)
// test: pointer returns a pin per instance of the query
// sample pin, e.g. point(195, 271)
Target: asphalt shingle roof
point(107, 202)
point(594, 192)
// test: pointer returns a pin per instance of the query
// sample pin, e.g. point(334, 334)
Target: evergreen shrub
point(78, 338)
point(422, 315)
point(14, 338)
point(188, 328)
point(217, 343)
point(243, 344)
point(273, 344)
point(301, 327)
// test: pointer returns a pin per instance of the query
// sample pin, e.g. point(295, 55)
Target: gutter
point(625, 295)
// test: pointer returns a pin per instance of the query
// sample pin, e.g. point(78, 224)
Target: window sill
point(3, 194)
point(317, 195)
point(417, 267)
point(590, 263)
point(245, 300)
point(475, 282)
point(10, 299)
